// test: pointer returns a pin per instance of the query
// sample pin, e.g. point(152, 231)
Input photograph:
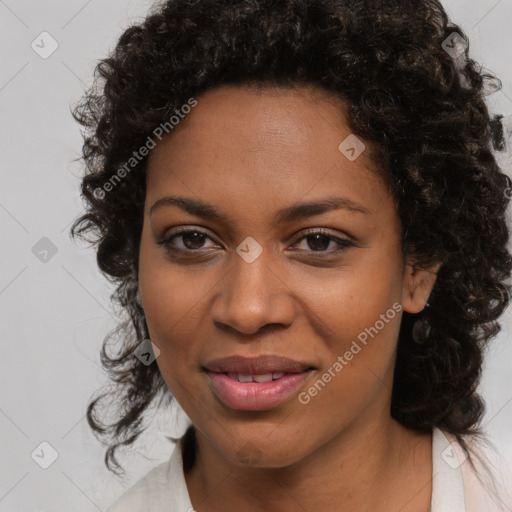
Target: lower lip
point(255, 396)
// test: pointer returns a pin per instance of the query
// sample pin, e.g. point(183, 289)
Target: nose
point(253, 296)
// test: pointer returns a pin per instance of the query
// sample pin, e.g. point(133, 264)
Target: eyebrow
point(289, 214)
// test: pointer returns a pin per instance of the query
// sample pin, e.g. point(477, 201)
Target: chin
point(262, 454)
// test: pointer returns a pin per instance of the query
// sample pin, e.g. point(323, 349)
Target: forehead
point(259, 118)
point(266, 142)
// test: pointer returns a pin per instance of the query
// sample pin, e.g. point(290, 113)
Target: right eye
point(192, 240)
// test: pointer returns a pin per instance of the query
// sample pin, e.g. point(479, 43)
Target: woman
point(299, 204)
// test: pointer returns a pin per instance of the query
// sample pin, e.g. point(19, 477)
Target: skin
point(250, 154)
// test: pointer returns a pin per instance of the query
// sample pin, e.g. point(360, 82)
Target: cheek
point(347, 301)
point(174, 303)
point(172, 299)
point(360, 332)
point(357, 353)
point(361, 313)
point(358, 314)
point(175, 316)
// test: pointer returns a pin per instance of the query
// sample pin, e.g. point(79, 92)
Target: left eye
point(319, 241)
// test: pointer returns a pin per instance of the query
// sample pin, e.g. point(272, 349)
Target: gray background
point(56, 313)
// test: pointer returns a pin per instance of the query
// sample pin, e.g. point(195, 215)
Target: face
point(268, 275)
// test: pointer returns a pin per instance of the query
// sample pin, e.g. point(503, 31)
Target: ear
point(417, 286)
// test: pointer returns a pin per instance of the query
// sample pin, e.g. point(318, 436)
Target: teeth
point(266, 377)
point(245, 378)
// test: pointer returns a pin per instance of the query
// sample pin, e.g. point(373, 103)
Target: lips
point(255, 396)
point(256, 384)
point(261, 365)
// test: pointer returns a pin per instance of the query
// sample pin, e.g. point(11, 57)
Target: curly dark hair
point(421, 107)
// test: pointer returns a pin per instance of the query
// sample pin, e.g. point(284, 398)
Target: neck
point(369, 466)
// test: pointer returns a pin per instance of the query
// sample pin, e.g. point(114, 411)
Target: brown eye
point(320, 242)
point(192, 239)
point(186, 240)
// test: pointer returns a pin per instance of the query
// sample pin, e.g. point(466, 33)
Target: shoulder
point(482, 487)
point(162, 489)
point(148, 493)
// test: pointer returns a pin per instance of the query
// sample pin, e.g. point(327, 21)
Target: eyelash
point(166, 242)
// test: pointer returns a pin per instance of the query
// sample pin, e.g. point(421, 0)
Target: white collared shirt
point(455, 487)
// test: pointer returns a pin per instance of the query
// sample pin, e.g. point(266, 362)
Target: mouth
point(262, 366)
point(258, 378)
point(256, 383)
point(256, 392)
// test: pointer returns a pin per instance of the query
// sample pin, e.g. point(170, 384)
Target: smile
point(266, 377)
point(255, 392)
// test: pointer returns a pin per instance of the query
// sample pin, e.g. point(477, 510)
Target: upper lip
point(257, 365)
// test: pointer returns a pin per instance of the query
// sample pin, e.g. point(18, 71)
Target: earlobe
point(417, 286)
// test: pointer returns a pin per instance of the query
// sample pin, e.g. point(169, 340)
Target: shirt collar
point(447, 481)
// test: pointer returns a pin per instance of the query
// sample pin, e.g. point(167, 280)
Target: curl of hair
point(422, 110)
